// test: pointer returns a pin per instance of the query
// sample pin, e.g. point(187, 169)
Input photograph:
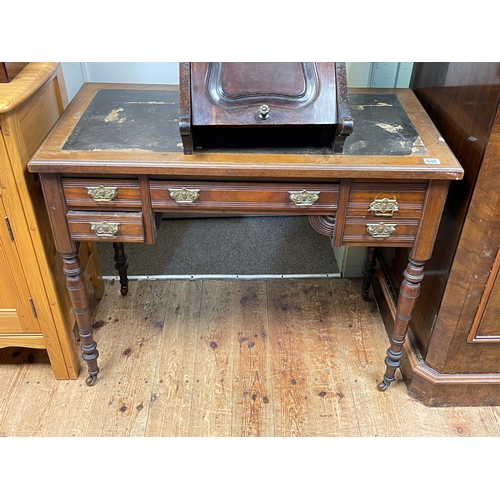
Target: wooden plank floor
point(229, 358)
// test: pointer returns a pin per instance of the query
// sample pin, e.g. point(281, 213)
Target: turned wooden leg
point(75, 282)
point(121, 266)
point(368, 271)
point(408, 293)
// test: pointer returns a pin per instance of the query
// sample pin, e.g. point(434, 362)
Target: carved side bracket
point(323, 224)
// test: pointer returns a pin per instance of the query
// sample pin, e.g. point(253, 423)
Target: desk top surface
point(133, 129)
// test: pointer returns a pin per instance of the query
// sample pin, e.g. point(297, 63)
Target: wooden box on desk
point(35, 310)
point(264, 105)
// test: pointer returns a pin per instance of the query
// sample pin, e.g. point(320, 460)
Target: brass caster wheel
point(383, 386)
point(91, 380)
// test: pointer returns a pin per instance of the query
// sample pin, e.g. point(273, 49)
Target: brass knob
point(264, 112)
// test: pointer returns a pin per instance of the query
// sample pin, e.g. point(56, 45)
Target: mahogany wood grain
point(241, 198)
point(485, 325)
point(356, 234)
point(340, 219)
point(474, 259)
point(409, 197)
point(409, 291)
point(245, 166)
point(250, 183)
point(264, 104)
point(282, 86)
point(460, 365)
point(429, 223)
point(76, 193)
point(121, 265)
point(185, 120)
point(463, 110)
point(423, 382)
point(368, 271)
point(148, 215)
point(131, 227)
point(75, 283)
point(52, 190)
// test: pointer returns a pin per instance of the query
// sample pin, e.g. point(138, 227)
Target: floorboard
point(241, 358)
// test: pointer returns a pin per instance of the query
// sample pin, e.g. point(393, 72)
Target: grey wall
point(359, 74)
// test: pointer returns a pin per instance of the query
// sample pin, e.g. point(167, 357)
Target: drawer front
point(376, 232)
point(106, 226)
point(101, 193)
point(386, 201)
point(311, 199)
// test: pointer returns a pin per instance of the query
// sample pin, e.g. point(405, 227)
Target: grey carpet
point(228, 246)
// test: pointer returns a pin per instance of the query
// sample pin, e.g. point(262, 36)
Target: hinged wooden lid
point(264, 104)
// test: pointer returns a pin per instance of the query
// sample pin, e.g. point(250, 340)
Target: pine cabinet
point(15, 300)
point(35, 310)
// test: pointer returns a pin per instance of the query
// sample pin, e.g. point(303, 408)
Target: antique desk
point(114, 161)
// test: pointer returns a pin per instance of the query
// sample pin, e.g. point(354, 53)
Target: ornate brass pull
point(303, 198)
point(184, 195)
point(105, 228)
point(102, 193)
point(381, 230)
point(384, 207)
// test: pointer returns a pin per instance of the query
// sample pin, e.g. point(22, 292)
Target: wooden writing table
point(115, 159)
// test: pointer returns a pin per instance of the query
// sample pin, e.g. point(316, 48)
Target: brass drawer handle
point(102, 193)
point(105, 228)
point(381, 230)
point(303, 198)
point(184, 195)
point(384, 207)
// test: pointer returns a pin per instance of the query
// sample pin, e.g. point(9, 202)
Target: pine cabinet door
point(17, 311)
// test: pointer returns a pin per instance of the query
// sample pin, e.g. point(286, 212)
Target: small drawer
point(100, 193)
point(112, 226)
point(373, 231)
point(386, 201)
point(311, 199)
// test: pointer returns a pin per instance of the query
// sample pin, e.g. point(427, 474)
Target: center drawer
point(238, 197)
